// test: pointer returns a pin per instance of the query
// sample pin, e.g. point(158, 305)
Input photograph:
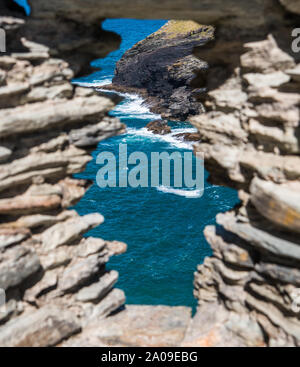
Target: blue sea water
point(25, 5)
point(163, 227)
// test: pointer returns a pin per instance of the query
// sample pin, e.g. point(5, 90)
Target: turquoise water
point(162, 227)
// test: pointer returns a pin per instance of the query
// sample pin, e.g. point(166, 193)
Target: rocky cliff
point(162, 68)
point(250, 136)
point(248, 290)
point(48, 127)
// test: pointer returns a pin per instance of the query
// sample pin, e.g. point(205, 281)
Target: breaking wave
point(190, 194)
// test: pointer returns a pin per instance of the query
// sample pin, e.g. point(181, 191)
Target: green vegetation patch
point(184, 28)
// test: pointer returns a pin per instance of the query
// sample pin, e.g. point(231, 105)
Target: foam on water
point(162, 227)
point(171, 138)
point(189, 194)
point(134, 107)
point(179, 141)
point(94, 83)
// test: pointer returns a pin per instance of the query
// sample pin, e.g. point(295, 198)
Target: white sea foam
point(179, 141)
point(171, 138)
point(190, 194)
point(134, 107)
point(94, 83)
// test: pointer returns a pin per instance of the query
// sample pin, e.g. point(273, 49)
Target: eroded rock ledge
point(250, 136)
point(48, 127)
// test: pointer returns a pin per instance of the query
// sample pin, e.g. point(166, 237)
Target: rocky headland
point(58, 291)
point(162, 68)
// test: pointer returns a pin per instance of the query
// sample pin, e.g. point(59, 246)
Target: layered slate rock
point(142, 326)
point(43, 328)
point(55, 279)
point(16, 265)
point(163, 66)
point(251, 143)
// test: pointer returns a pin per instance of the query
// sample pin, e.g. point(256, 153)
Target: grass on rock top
point(182, 28)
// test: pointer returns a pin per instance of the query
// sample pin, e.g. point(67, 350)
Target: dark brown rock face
point(159, 127)
point(164, 66)
point(189, 136)
point(248, 291)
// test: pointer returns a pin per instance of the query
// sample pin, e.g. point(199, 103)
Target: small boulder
point(43, 328)
point(159, 127)
point(189, 136)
